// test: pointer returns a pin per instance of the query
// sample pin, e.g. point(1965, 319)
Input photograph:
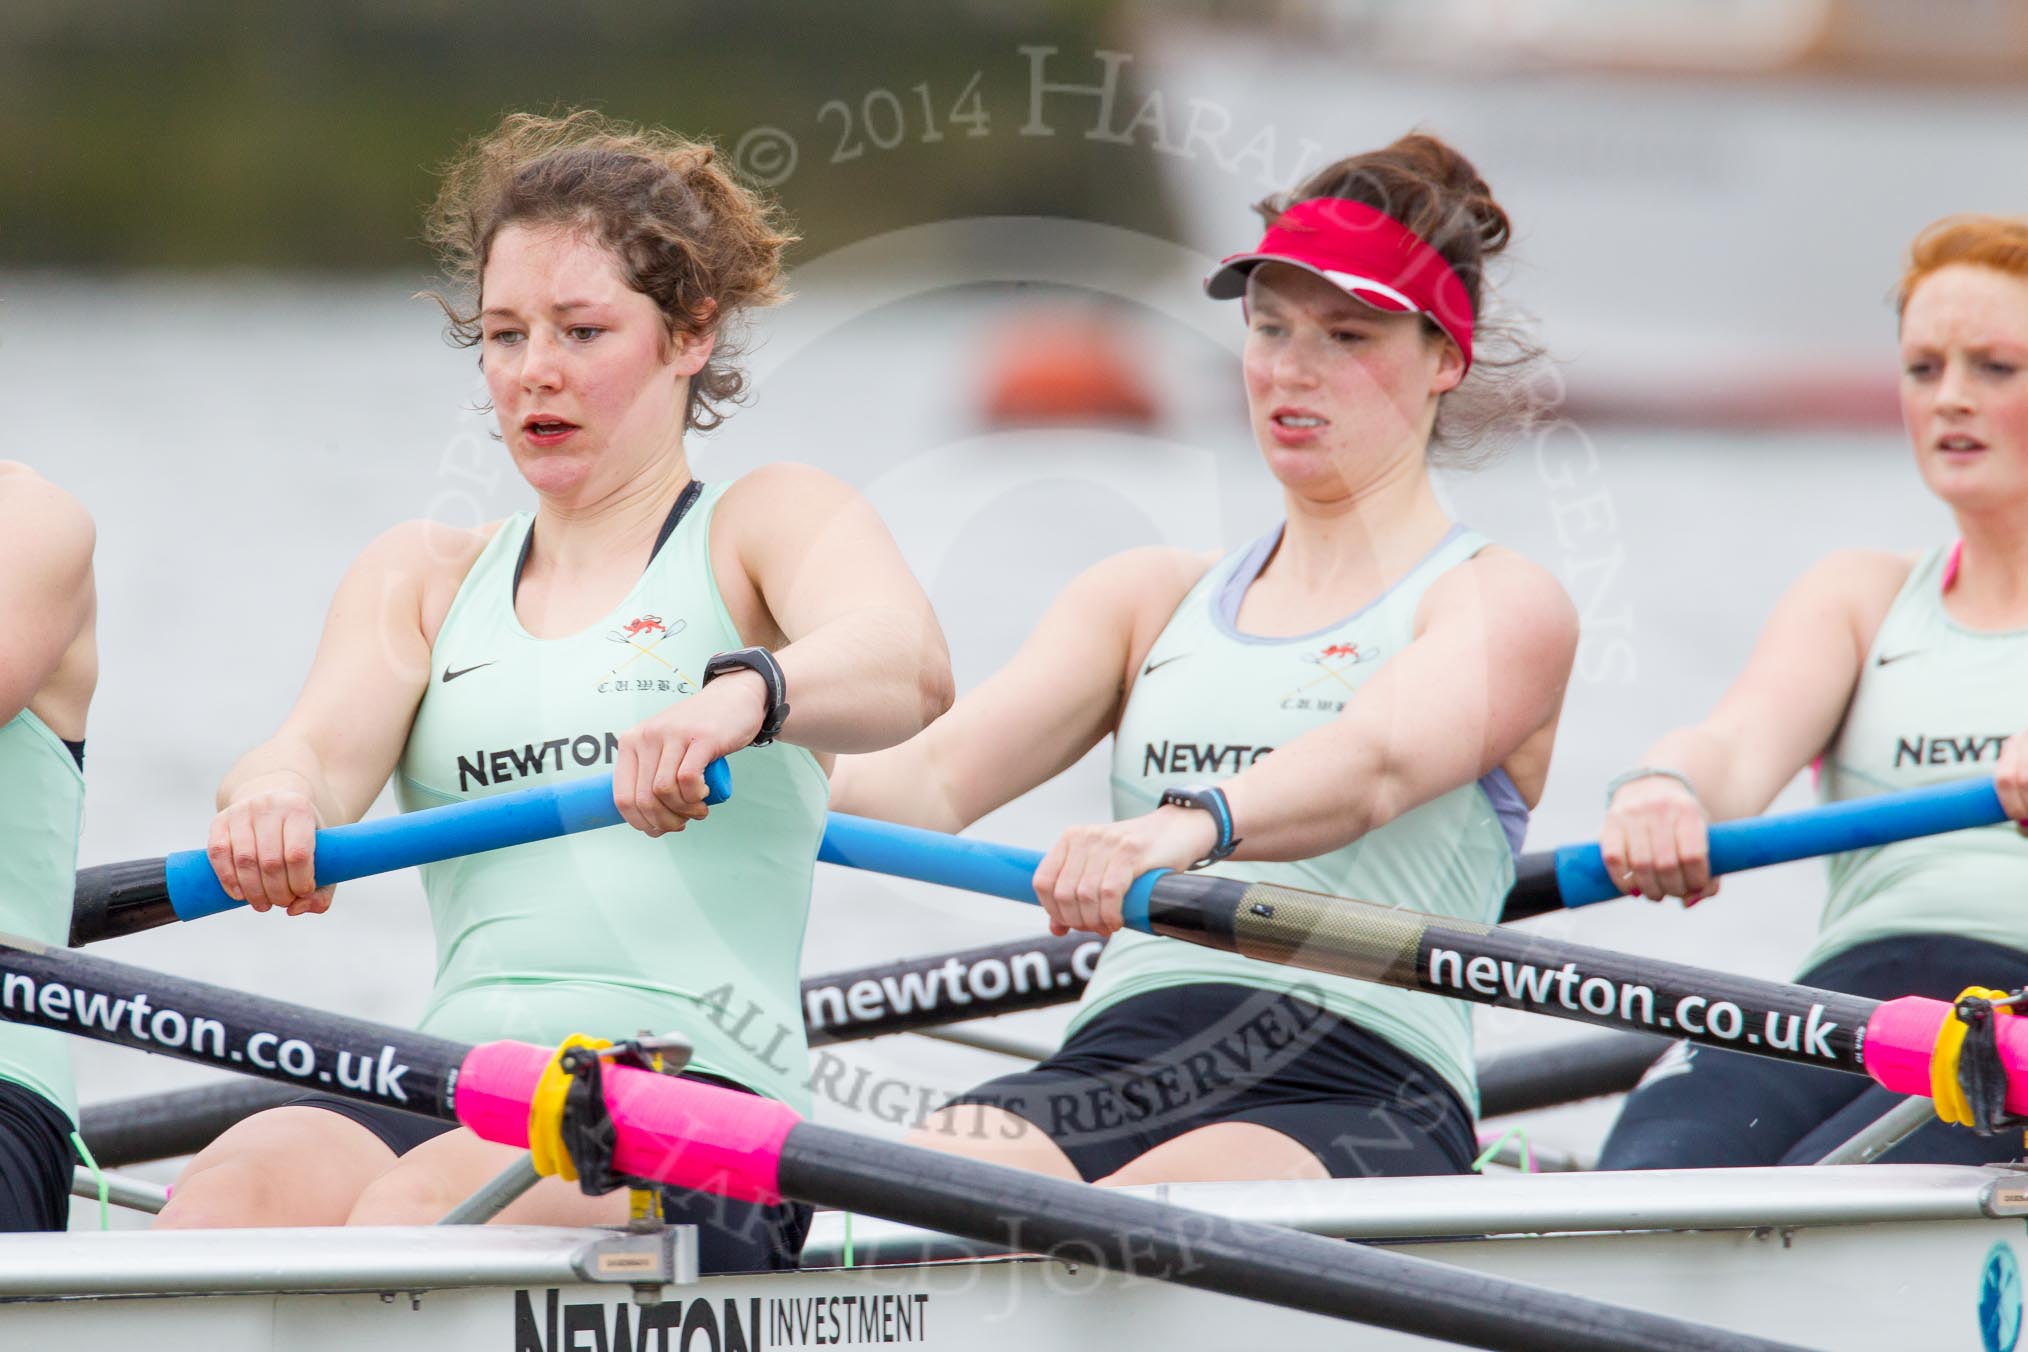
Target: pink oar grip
point(681, 1132)
point(1901, 1032)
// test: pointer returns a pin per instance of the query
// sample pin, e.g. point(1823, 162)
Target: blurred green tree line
point(305, 134)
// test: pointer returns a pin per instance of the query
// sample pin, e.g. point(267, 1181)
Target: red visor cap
point(1372, 257)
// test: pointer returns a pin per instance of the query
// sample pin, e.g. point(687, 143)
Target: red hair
point(1996, 242)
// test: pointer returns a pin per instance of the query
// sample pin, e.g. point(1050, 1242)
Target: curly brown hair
point(1431, 188)
point(687, 233)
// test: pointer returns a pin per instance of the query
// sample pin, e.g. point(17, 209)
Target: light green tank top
point(1935, 702)
point(1209, 701)
point(611, 932)
point(41, 812)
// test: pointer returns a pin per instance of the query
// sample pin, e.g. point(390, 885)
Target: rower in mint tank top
point(41, 811)
point(612, 932)
point(1209, 701)
point(1935, 702)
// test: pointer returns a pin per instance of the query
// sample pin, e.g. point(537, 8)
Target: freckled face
point(1338, 391)
point(1964, 385)
point(587, 385)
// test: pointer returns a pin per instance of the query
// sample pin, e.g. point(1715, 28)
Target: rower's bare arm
point(1787, 703)
point(342, 739)
point(46, 540)
point(1784, 708)
point(1058, 697)
point(861, 649)
point(1484, 676)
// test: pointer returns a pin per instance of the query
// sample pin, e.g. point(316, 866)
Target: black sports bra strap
point(684, 502)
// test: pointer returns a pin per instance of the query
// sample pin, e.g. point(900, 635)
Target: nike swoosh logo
point(1153, 666)
point(1885, 658)
point(450, 675)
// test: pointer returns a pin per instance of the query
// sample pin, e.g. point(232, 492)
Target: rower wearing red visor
point(1360, 702)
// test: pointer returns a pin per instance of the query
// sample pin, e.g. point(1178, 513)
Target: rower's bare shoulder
point(1152, 578)
point(424, 549)
point(419, 563)
point(1512, 571)
point(783, 509)
point(1857, 584)
point(26, 493)
point(1130, 596)
point(1502, 583)
point(56, 525)
point(785, 488)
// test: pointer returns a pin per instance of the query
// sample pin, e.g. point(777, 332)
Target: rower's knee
point(406, 1196)
point(232, 1194)
point(284, 1167)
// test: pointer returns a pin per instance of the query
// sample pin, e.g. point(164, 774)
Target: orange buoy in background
point(1065, 364)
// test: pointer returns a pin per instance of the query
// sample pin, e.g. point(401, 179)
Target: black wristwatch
point(1207, 798)
point(762, 662)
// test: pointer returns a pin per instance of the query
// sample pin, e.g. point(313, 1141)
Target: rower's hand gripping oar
point(1547, 880)
point(138, 894)
point(124, 898)
point(1575, 875)
point(1895, 1041)
point(953, 861)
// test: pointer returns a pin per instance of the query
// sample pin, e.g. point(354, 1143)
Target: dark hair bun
point(1427, 185)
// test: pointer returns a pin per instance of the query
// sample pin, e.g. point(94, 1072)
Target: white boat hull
point(1910, 1258)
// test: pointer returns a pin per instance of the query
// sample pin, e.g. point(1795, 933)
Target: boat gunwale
point(1471, 1208)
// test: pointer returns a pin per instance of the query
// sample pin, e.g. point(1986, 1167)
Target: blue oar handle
point(410, 838)
point(1855, 824)
point(954, 861)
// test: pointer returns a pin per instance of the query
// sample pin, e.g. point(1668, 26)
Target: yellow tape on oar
point(1945, 1090)
point(644, 1205)
point(545, 1111)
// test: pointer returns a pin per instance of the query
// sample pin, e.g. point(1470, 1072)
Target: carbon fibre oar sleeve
point(1489, 965)
point(112, 900)
point(1077, 1223)
point(1535, 890)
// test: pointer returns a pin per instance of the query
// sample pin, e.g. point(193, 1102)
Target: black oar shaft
point(840, 1007)
point(1102, 1228)
point(1492, 966)
point(1566, 1072)
point(928, 992)
point(152, 1012)
point(827, 1167)
point(128, 1131)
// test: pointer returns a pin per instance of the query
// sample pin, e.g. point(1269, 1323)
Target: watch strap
point(762, 663)
point(1207, 798)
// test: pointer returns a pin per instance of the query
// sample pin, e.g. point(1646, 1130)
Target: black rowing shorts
point(1154, 1066)
point(36, 1162)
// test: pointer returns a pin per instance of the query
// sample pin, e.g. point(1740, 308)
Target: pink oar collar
point(683, 1132)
